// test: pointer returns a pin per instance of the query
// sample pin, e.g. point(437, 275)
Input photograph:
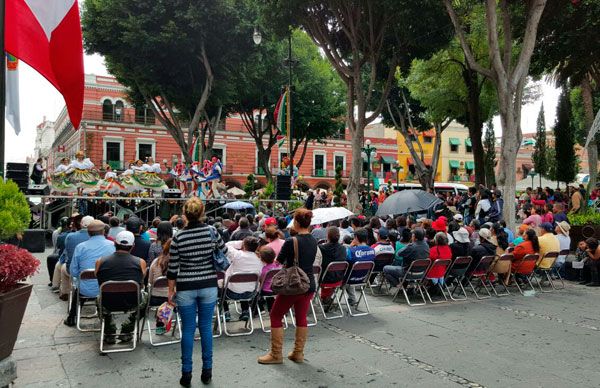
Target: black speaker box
point(38, 190)
point(171, 193)
point(17, 167)
point(34, 240)
point(284, 187)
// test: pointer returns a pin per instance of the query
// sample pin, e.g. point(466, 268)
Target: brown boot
point(275, 355)
point(298, 354)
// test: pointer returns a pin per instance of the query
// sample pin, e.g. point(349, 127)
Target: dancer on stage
point(111, 184)
point(82, 173)
point(59, 180)
point(146, 175)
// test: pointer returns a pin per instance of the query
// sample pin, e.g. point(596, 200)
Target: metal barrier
point(50, 208)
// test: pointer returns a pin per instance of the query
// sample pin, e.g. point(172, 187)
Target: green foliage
point(14, 210)
point(249, 186)
point(489, 146)
point(339, 187)
point(293, 205)
point(586, 218)
point(539, 156)
point(578, 115)
point(268, 190)
point(565, 141)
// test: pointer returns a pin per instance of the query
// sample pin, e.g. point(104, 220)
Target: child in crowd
point(267, 256)
point(158, 268)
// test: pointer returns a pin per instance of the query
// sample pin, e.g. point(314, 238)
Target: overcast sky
point(39, 99)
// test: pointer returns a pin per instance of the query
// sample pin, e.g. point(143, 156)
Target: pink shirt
point(276, 245)
point(267, 284)
point(535, 220)
point(548, 217)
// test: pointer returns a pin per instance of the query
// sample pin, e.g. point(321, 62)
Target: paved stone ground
point(548, 340)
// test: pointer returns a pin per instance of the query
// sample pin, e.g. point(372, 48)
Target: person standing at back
point(192, 273)
point(307, 252)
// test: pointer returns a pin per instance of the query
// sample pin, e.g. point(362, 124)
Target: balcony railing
point(125, 117)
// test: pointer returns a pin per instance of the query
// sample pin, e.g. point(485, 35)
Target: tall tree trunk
point(592, 149)
point(263, 160)
point(475, 124)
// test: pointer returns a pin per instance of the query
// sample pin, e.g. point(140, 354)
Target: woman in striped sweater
point(192, 273)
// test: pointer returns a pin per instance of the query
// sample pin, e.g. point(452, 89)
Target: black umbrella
point(407, 201)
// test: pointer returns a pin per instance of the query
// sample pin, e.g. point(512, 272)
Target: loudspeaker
point(38, 190)
point(34, 240)
point(17, 167)
point(171, 193)
point(284, 187)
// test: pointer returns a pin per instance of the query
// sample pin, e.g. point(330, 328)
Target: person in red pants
point(307, 251)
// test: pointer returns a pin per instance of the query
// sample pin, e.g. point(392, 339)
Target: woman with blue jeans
point(191, 273)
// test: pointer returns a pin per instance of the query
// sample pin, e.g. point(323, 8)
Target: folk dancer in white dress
point(147, 176)
point(82, 173)
point(59, 180)
point(111, 184)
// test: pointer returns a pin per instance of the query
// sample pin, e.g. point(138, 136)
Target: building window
point(144, 115)
point(339, 160)
point(113, 152)
point(412, 137)
point(119, 111)
point(107, 110)
point(469, 146)
point(145, 149)
point(453, 147)
point(220, 152)
point(319, 164)
point(428, 139)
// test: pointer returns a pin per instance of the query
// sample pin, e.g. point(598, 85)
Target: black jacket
point(332, 252)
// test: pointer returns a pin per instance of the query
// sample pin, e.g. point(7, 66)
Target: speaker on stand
point(18, 173)
point(283, 188)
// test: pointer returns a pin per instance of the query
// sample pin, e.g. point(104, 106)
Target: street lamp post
point(368, 152)
point(397, 168)
point(532, 174)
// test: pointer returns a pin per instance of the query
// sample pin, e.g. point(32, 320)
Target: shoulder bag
point(219, 259)
point(292, 280)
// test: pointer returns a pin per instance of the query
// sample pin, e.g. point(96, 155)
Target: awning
point(470, 165)
point(388, 159)
point(411, 162)
point(468, 142)
point(454, 164)
point(454, 141)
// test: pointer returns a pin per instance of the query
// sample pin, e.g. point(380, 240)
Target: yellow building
point(457, 155)
point(406, 168)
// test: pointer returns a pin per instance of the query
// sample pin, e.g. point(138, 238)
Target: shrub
point(585, 218)
point(14, 210)
point(15, 265)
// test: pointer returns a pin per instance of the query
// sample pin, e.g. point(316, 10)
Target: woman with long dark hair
point(307, 252)
point(192, 272)
point(164, 233)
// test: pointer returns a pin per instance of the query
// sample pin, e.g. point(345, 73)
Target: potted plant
point(14, 211)
point(584, 225)
point(16, 264)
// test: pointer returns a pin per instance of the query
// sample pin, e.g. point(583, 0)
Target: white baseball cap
point(458, 217)
point(125, 239)
point(86, 221)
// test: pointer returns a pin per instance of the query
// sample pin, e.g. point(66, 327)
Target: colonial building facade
point(114, 132)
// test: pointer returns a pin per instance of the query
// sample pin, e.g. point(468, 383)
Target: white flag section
point(594, 129)
point(12, 93)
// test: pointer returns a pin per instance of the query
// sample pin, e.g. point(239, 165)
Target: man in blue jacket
point(357, 251)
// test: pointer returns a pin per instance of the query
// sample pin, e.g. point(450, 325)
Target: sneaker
point(55, 290)
point(244, 316)
point(227, 316)
point(160, 330)
point(125, 337)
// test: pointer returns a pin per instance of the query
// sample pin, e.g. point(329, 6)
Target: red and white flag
point(46, 34)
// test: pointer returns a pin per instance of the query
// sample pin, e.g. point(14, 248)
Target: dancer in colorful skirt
point(59, 180)
point(147, 176)
point(111, 184)
point(82, 173)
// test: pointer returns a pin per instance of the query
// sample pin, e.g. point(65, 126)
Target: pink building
point(114, 132)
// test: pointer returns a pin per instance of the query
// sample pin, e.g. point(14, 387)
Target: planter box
point(12, 309)
point(582, 232)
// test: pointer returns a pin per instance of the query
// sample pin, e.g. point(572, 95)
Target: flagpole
point(289, 106)
point(2, 91)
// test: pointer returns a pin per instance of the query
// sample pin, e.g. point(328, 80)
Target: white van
point(438, 187)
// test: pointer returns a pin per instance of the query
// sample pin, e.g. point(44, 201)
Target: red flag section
point(46, 34)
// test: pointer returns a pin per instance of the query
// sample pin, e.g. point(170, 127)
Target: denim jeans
point(393, 273)
point(191, 304)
